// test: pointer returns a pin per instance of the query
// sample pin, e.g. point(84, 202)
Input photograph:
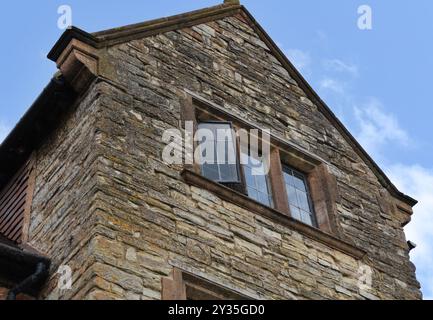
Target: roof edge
point(108, 37)
point(71, 33)
point(110, 34)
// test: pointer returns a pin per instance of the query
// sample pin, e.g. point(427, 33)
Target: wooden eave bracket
point(79, 64)
point(404, 209)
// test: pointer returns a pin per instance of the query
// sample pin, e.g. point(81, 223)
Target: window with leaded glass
point(257, 179)
point(217, 145)
point(301, 207)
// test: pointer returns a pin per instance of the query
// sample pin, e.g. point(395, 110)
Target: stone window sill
point(245, 202)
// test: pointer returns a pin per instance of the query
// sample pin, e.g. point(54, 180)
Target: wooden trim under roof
point(15, 204)
point(118, 35)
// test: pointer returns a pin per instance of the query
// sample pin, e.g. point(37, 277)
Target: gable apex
point(229, 8)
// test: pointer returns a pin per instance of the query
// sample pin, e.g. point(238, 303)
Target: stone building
point(85, 188)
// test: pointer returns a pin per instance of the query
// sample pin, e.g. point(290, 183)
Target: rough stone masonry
point(107, 206)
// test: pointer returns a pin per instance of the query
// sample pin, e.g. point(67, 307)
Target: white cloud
point(417, 181)
point(300, 59)
point(333, 85)
point(337, 65)
point(378, 127)
point(4, 131)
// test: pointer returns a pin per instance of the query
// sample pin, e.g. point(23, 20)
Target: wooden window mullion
point(240, 166)
point(281, 201)
point(188, 113)
point(174, 288)
point(324, 195)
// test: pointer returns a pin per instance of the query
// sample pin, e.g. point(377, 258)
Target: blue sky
point(377, 81)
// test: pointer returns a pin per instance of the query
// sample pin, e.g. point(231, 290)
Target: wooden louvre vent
point(15, 204)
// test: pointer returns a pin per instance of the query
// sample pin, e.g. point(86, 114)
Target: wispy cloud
point(4, 131)
point(300, 59)
point(376, 127)
point(322, 36)
point(339, 66)
point(334, 85)
point(418, 182)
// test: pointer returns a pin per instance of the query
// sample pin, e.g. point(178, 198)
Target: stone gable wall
point(159, 221)
point(108, 206)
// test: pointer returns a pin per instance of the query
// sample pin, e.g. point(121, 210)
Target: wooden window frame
point(321, 183)
point(312, 212)
point(181, 286)
point(203, 115)
point(236, 142)
point(268, 185)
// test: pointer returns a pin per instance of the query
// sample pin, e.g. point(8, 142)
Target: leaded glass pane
point(219, 163)
point(298, 196)
point(257, 180)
